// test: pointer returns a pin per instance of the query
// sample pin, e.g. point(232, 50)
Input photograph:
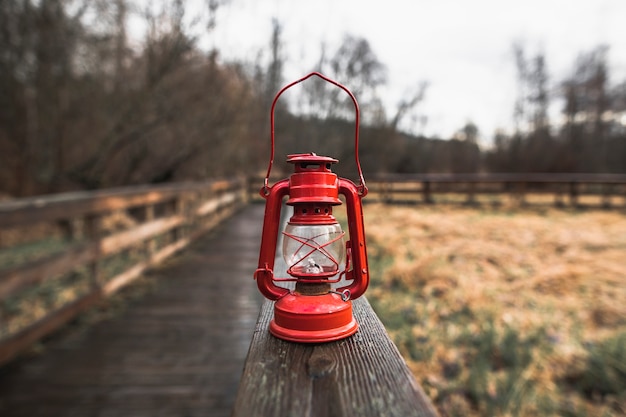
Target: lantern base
point(312, 318)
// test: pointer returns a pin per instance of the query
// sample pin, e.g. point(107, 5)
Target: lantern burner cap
point(310, 158)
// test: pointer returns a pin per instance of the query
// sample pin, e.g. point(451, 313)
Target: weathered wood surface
point(179, 351)
point(363, 375)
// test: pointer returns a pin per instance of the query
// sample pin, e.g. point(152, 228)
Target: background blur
point(97, 93)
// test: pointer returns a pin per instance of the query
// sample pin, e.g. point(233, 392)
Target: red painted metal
point(264, 275)
point(313, 319)
point(357, 251)
point(313, 312)
point(313, 181)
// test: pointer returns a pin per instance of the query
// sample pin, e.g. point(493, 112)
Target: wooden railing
point(92, 252)
point(576, 190)
point(363, 375)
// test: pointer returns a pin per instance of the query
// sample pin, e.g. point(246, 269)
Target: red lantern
point(314, 246)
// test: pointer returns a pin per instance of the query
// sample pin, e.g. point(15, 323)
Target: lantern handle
point(362, 189)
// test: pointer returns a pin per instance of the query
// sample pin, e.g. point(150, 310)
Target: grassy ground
point(505, 312)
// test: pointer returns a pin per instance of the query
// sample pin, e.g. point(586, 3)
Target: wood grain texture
point(363, 375)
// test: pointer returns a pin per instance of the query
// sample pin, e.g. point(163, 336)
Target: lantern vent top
point(307, 162)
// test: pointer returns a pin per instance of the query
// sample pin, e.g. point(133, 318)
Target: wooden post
point(180, 209)
point(71, 229)
point(471, 193)
point(426, 192)
point(173, 208)
point(573, 194)
point(558, 197)
point(519, 194)
point(92, 233)
point(606, 195)
point(150, 244)
point(385, 191)
point(363, 375)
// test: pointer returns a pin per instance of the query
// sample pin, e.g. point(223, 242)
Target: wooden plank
point(128, 276)
point(67, 205)
point(214, 204)
point(115, 243)
point(502, 177)
point(363, 375)
point(62, 206)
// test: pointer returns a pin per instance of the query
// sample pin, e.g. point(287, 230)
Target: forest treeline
point(84, 105)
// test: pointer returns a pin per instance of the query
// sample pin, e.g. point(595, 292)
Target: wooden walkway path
point(177, 352)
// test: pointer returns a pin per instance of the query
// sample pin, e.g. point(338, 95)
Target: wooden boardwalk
point(177, 352)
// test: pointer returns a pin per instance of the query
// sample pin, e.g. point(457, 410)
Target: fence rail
point(156, 222)
point(576, 190)
point(363, 375)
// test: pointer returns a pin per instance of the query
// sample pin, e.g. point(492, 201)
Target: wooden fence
point(575, 190)
point(100, 242)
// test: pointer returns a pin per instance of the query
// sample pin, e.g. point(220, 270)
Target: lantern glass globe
point(313, 249)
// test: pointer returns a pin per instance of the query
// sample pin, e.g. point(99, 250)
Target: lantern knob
point(311, 159)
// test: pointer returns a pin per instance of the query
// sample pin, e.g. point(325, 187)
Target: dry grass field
point(505, 312)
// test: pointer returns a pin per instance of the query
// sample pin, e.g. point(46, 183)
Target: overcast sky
point(462, 48)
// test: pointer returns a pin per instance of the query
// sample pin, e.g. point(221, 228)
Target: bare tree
point(533, 98)
point(354, 63)
point(74, 114)
point(38, 41)
point(587, 101)
point(408, 104)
